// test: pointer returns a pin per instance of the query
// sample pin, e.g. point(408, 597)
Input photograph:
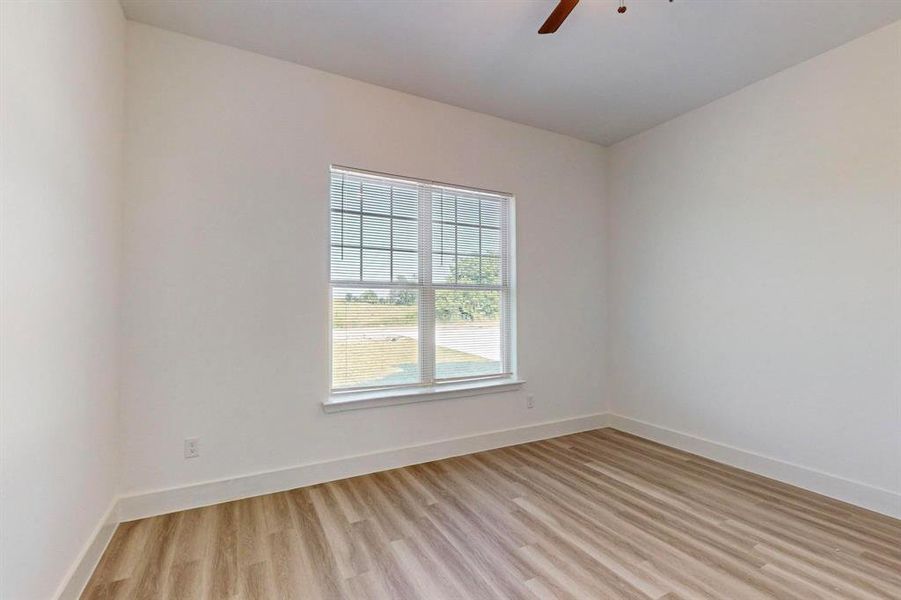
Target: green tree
point(403, 297)
point(470, 305)
point(369, 297)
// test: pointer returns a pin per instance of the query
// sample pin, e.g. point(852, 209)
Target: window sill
point(372, 399)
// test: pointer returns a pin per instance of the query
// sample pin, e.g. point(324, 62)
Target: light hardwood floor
point(600, 514)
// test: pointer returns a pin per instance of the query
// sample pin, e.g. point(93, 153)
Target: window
point(420, 283)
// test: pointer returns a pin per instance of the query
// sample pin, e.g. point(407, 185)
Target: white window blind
point(420, 282)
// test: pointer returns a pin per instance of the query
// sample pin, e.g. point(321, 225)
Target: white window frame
point(507, 380)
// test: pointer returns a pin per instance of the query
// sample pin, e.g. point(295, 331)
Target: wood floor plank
point(150, 577)
point(121, 557)
point(595, 515)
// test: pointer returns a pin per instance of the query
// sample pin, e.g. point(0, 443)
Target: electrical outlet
point(530, 401)
point(192, 447)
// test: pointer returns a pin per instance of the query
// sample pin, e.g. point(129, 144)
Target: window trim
point(342, 400)
point(394, 396)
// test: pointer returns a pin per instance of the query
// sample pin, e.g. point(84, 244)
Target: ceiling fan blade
point(558, 16)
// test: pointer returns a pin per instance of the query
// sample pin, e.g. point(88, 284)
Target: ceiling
point(602, 77)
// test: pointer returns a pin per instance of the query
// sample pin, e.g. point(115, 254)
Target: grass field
point(363, 314)
point(358, 314)
point(362, 362)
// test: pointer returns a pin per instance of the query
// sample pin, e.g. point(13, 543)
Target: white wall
point(61, 114)
point(755, 267)
point(753, 260)
point(226, 253)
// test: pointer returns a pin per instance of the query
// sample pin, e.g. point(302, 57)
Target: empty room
point(450, 299)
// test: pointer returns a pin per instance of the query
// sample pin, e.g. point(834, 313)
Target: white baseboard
point(854, 492)
point(77, 578)
point(204, 494)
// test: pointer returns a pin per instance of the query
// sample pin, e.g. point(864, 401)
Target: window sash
point(425, 287)
point(367, 284)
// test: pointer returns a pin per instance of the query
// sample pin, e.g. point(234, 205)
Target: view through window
point(420, 282)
